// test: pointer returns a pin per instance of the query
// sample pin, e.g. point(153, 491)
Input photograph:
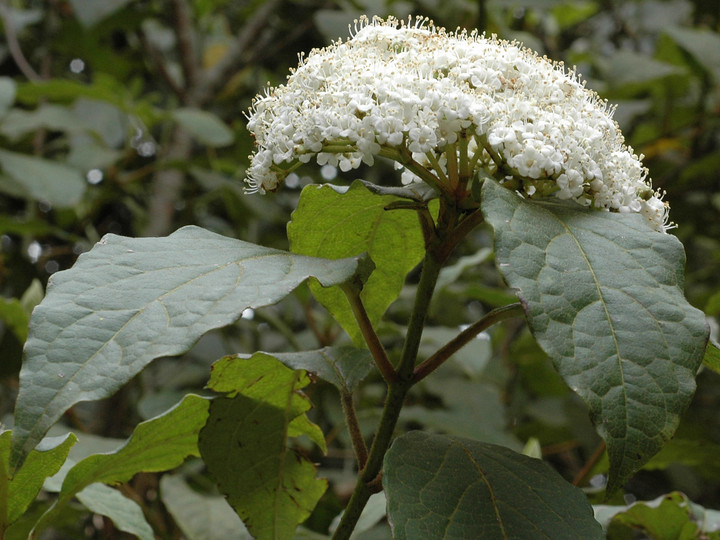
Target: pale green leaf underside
point(126, 514)
point(200, 516)
point(603, 295)
point(245, 444)
point(41, 179)
point(131, 300)
point(333, 225)
point(703, 44)
point(204, 126)
point(443, 487)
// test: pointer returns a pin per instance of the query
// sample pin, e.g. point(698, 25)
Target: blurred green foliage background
point(127, 117)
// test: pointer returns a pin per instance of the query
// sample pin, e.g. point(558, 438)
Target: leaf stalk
point(464, 337)
point(352, 292)
point(397, 390)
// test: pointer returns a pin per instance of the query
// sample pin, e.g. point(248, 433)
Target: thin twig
point(482, 18)
point(427, 225)
point(437, 167)
point(159, 62)
point(373, 342)
point(465, 337)
point(167, 186)
point(281, 326)
point(368, 481)
point(467, 224)
point(14, 45)
point(582, 474)
point(182, 21)
point(412, 165)
point(453, 172)
point(215, 77)
point(361, 453)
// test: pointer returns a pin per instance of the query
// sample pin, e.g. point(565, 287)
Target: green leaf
point(603, 294)
point(669, 517)
point(14, 316)
point(41, 179)
point(106, 120)
point(702, 44)
point(711, 360)
point(701, 455)
point(86, 153)
point(343, 367)
point(628, 67)
point(32, 296)
point(204, 126)
point(104, 88)
point(18, 492)
point(129, 301)
point(15, 313)
point(473, 410)
point(66, 91)
point(234, 374)
point(712, 306)
point(448, 487)
point(126, 514)
point(200, 516)
point(452, 273)
point(158, 444)
point(569, 14)
point(244, 444)
point(91, 12)
point(330, 224)
point(8, 89)
point(18, 122)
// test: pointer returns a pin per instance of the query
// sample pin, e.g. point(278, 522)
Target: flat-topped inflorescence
point(448, 108)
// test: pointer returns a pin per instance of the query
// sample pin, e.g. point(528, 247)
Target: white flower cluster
point(448, 107)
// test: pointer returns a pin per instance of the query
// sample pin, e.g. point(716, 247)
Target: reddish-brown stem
point(366, 328)
point(585, 471)
point(461, 230)
point(464, 337)
point(361, 453)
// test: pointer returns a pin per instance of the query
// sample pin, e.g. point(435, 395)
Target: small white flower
point(400, 89)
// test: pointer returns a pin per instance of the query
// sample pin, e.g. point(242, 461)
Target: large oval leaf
point(131, 300)
point(449, 487)
point(603, 295)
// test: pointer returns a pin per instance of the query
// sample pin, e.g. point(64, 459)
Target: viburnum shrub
point(484, 131)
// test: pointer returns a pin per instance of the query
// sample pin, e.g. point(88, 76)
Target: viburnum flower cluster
point(449, 108)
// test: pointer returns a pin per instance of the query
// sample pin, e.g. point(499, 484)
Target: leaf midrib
point(84, 365)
